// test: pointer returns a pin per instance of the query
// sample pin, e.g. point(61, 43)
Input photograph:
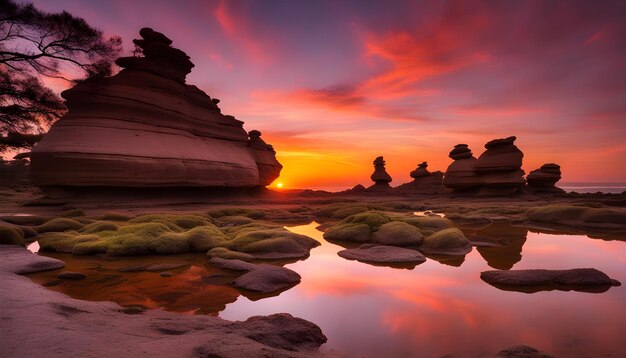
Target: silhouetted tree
point(36, 44)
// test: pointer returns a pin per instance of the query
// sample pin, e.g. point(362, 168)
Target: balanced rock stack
point(460, 175)
point(424, 182)
point(380, 177)
point(500, 168)
point(543, 180)
point(421, 171)
point(144, 127)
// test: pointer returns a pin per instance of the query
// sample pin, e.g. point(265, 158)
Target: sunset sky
point(333, 84)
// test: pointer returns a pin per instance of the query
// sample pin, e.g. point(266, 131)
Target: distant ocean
point(609, 188)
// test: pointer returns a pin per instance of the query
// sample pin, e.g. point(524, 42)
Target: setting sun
point(280, 185)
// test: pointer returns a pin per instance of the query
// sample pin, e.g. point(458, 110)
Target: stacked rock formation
point(424, 182)
point(460, 175)
point(144, 127)
point(380, 177)
point(500, 168)
point(421, 171)
point(543, 180)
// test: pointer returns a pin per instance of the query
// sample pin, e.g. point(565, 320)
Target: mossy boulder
point(349, 232)
point(59, 225)
point(135, 239)
point(446, 242)
point(579, 216)
point(251, 213)
point(182, 221)
point(10, 235)
point(397, 233)
point(234, 220)
point(99, 226)
point(343, 210)
point(428, 224)
point(276, 243)
point(225, 253)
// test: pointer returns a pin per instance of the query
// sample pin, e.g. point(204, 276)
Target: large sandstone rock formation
point(460, 175)
point(144, 127)
point(543, 180)
point(500, 168)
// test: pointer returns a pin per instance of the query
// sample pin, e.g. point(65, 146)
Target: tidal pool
point(439, 307)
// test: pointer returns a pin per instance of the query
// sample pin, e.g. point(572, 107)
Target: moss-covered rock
point(10, 235)
point(276, 243)
point(251, 213)
point(234, 220)
point(225, 253)
point(99, 226)
point(397, 233)
point(446, 242)
point(182, 221)
point(579, 216)
point(343, 210)
point(349, 232)
point(59, 225)
point(428, 224)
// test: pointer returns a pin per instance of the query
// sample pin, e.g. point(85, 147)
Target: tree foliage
point(34, 45)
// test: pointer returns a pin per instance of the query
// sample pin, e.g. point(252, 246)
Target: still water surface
point(437, 308)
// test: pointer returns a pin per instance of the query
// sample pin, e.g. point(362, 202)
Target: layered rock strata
point(145, 127)
point(499, 168)
point(543, 180)
point(460, 175)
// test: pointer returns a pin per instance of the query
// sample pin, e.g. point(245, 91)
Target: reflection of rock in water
point(507, 240)
point(455, 261)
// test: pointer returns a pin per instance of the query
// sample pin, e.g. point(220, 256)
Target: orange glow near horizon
point(334, 85)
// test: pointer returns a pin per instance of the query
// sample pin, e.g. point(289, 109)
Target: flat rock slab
point(17, 259)
point(580, 279)
point(522, 351)
point(266, 278)
point(382, 254)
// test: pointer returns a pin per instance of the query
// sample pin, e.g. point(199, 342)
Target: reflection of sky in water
point(437, 309)
point(432, 310)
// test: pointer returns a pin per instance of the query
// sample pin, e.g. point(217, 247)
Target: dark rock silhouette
point(499, 168)
point(380, 177)
point(460, 175)
point(144, 127)
point(543, 180)
point(424, 182)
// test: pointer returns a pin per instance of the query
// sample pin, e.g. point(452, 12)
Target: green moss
point(251, 213)
point(228, 254)
point(343, 210)
point(398, 233)
point(74, 213)
point(58, 225)
point(372, 219)
point(11, 236)
point(349, 232)
point(203, 238)
point(600, 218)
point(235, 220)
point(181, 221)
point(24, 219)
point(272, 241)
point(99, 226)
point(63, 241)
point(428, 224)
point(448, 241)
